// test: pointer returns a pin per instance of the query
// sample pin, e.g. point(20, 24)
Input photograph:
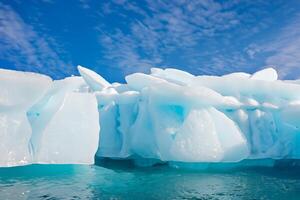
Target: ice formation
point(167, 115)
point(45, 121)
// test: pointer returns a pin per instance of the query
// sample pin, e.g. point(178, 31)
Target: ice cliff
point(167, 115)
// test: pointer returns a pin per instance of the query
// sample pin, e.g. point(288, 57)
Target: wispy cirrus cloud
point(204, 37)
point(84, 4)
point(282, 50)
point(160, 29)
point(285, 50)
point(27, 49)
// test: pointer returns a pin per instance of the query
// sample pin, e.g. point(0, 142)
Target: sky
point(119, 37)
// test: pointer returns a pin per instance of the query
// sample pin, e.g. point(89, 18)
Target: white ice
point(45, 121)
point(168, 115)
point(18, 92)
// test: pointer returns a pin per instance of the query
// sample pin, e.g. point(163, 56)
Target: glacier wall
point(45, 121)
point(167, 115)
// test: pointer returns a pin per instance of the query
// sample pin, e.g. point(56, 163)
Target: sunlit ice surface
point(179, 136)
point(168, 115)
point(122, 180)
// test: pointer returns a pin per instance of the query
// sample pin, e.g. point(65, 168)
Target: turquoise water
point(124, 181)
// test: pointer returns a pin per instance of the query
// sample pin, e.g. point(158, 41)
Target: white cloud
point(26, 48)
point(252, 50)
point(160, 28)
point(84, 4)
point(208, 36)
point(285, 50)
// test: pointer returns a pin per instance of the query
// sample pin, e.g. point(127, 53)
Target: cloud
point(280, 50)
point(284, 50)
point(27, 49)
point(207, 36)
point(84, 4)
point(158, 30)
point(252, 50)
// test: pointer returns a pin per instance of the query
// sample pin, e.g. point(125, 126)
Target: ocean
point(122, 180)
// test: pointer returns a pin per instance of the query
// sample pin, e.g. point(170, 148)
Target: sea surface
point(125, 181)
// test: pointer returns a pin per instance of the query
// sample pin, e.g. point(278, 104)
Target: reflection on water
point(124, 181)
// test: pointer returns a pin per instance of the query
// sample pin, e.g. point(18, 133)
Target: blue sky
point(119, 37)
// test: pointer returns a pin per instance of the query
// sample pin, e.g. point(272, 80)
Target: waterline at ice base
point(165, 117)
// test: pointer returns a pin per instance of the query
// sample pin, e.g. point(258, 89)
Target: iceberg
point(168, 116)
point(65, 124)
point(45, 121)
point(18, 92)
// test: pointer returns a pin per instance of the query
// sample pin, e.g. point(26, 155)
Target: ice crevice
point(168, 115)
